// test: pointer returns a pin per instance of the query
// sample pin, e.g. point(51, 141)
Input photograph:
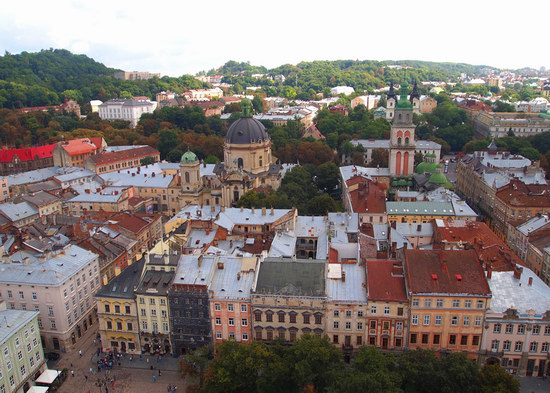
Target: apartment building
point(120, 159)
point(497, 125)
point(25, 159)
point(74, 152)
point(127, 110)
point(448, 296)
point(23, 357)
point(117, 311)
point(517, 324)
point(136, 75)
point(59, 285)
point(288, 299)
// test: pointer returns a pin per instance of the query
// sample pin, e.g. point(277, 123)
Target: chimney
point(222, 208)
point(530, 282)
point(517, 272)
point(212, 208)
point(489, 272)
point(252, 209)
point(272, 212)
point(419, 228)
point(242, 209)
point(238, 276)
point(263, 211)
point(166, 258)
point(343, 276)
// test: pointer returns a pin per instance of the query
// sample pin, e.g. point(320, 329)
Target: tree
point(321, 205)
point(211, 159)
point(530, 153)
point(258, 104)
point(147, 161)
point(501, 106)
point(327, 177)
point(494, 379)
point(379, 158)
point(168, 140)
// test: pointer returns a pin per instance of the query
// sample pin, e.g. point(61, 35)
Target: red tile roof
point(130, 222)
point(369, 197)
point(124, 155)
point(27, 153)
point(385, 281)
point(518, 194)
point(478, 236)
point(445, 272)
point(76, 147)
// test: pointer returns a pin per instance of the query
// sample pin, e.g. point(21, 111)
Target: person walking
point(154, 378)
point(159, 372)
point(80, 352)
point(72, 373)
point(86, 378)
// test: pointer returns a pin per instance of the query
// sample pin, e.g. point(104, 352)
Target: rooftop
point(11, 321)
point(17, 211)
point(155, 283)
point(512, 293)
point(231, 280)
point(449, 272)
point(346, 172)
point(41, 198)
point(367, 196)
point(291, 278)
point(346, 283)
point(195, 270)
point(123, 285)
point(420, 208)
point(123, 155)
point(533, 224)
point(79, 146)
point(385, 281)
point(237, 216)
point(27, 153)
point(519, 194)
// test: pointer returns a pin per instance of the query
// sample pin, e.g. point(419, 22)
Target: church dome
point(439, 179)
point(426, 167)
point(246, 130)
point(188, 157)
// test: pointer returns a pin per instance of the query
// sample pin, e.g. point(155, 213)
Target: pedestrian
point(159, 372)
point(147, 360)
point(154, 378)
point(80, 352)
point(106, 389)
point(72, 373)
point(130, 357)
point(86, 378)
point(91, 370)
point(169, 389)
point(94, 341)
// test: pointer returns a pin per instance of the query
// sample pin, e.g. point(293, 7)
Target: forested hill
point(49, 76)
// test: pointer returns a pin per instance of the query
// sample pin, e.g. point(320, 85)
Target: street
point(135, 376)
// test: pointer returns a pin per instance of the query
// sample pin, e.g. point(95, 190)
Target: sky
point(185, 37)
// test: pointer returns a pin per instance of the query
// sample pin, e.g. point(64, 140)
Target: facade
point(106, 200)
point(188, 297)
point(423, 212)
point(346, 307)
point(44, 202)
point(369, 102)
point(230, 306)
point(497, 125)
point(120, 160)
point(366, 198)
point(203, 94)
point(288, 300)
point(388, 309)
point(19, 214)
point(518, 236)
point(402, 143)
point(369, 145)
point(60, 285)
point(448, 296)
point(117, 311)
point(127, 110)
point(517, 325)
point(23, 356)
point(75, 151)
point(25, 159)
point(135, 75)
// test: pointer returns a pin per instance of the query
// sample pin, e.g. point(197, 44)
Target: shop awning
point(37, 389)
point(48, 376)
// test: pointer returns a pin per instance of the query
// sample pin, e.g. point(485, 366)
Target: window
point(436, 339)
point(386, 310)
point(348, 325)
point(29, 347)
point(218, 321)
point(464, 340)
point(107, 308)
point(34, 342)
point(452, 339)
point(52, 324)
point(8, 364)
point(454, 321)
point(425, 338)
point(130, 326)
point(293, 318)
point(534, 346)
point(509, 328)
point(165, 327)
point(152, 301)
point(21, 295)
point(306, 319)
point(544, 347)
point(426, 320)
point(519, 346)
point(119, 326)
point(141, 300)
point(109, 325)
point(414, 320)
point(31, 361)
point(336, 313)
point(269, 317)
point(415, 302)
point(143, 312)
point(497, 327)
point(153, 312)
point(281, 317)
point(413, 338)
point(536, 329)
point(456, 303)
point(348, 313)
point(399, 326)
point(163, 313)
point(373, 309)
point(144, 325)
point(231, 322)
point(360, 314)
point(127, 309)
point(336, 325)
point(244, 322)
point(480, 304)
point(521, 329)
point(17, 343)
point(438, 320)
point(258, 317)
point(400, 311)
point(269, 335)
point(230, 307)
point(466, 321)
point(245, 336)
point(427, 303)
point(477, 321)
point(50, 311)
point(219, 335)
point(359, 325)
point(12, 380)
point(467, 304)
point(318, 319)
point(293, 335)
point(439, 303)
point(547, 330)
point(217, 307)
point(359, 340)
point(506, 345)
point(19, 355)
point(244, 309)
point(34, 296)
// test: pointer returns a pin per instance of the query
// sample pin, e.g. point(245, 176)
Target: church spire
point(391, 92)
point(246, 108)
point(415, 93)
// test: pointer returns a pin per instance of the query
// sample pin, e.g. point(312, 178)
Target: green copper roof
point(426, 167)
point(403, 102)
point(246, 107)
point(438, 178)
point(188, 157)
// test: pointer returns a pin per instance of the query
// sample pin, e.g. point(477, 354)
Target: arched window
point(240, 162)
point(187, 177)
point(399, 117)
point(398, 141)
point(261, 161)
point(406, 141)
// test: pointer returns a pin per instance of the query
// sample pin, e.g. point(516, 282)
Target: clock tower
point(402, 145)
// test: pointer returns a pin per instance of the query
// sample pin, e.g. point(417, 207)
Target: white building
point(128, 110)
point(95, 105)
point(59, 285)
point(22, 354)
point(537, 105)
point(424, 147)
point(346, 90)
point(203, 94)
point(370, 101)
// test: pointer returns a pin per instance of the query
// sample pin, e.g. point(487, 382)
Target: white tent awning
point(37, 389)
point(48, 376)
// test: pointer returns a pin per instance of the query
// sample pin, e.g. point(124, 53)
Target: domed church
point(248, 164)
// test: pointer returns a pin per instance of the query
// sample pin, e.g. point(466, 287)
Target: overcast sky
point(187, 36)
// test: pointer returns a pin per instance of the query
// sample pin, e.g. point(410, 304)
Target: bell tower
point(402, 144)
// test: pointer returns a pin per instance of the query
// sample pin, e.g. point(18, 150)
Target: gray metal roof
point(123, 285)
point(155, 282)
point(246, 130)
point(195, 270)
point(17, 211)
point(41, 198)
point(51, 269)
point(291, 278)
point(420, 208)
point(352, 288)
point(11, 321)
point(232, 282)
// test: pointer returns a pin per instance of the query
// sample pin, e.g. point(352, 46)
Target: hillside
point(49, 76)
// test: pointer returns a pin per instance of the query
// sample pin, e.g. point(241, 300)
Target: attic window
point(458, 277)
point(434, 276)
